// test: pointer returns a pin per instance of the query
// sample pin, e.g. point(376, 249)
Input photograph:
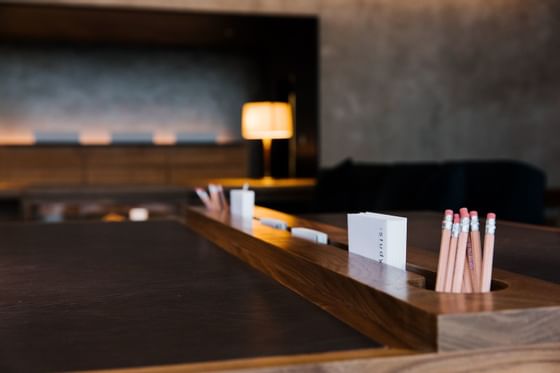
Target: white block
point(242, 202)
point(138, 214)
point(379, 237)
point(242, 224)
point(310, 235)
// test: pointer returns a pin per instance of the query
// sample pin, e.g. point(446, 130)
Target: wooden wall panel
point(205, 156)
point(116, 176)
point(118, 157)
point(44, 165)
point(113, 165)
point(39, 157)
point(44, 176)
point(195, 163)
point(189, 176)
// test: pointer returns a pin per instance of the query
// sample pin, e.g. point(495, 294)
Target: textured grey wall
point(48, 88)
point(406, 80)
point(446, 79)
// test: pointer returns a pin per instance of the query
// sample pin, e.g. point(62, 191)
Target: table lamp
point(266, 121)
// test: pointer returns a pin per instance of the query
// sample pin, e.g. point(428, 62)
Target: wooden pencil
point(461, 255)
point(455, 229)
point(488, 255)
point(467, 287)
point(444, 250)
point(476, 252)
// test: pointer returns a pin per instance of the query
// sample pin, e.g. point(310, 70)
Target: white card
point(379, 237)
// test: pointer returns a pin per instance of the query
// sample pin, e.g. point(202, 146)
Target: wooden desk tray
point(391, 306)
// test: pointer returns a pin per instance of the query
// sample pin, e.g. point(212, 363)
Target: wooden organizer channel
point(391, 306)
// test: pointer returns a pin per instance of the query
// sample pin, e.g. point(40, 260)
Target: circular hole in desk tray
point(430, 277)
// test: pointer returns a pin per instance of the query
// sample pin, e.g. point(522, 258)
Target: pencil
point(461, 255)
point(204, 198)
point(223, 200)
point(456, 227)
point(476, 252)
point(488, 256)
point(444, 249)
point(468, 274)
point(214, 197)
point(467, 287)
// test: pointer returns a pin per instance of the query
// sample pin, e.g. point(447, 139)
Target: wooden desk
point(82, 296)
point(392, 306)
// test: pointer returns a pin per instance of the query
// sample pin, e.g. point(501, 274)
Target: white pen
point(275, 223)
point(310, 235)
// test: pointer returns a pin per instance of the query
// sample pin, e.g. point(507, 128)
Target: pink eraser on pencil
point(491, 215)
point(456, 218)
point(474, 213)
point(464, 212)
point(448, 212)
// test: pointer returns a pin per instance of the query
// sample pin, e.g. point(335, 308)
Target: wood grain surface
point(381, 301)
point(543, 358)
point(79, 296)
point(346, 286)
point(278, 362)
point(117, 165)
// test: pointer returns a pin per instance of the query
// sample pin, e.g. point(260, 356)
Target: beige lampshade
point(266, 120)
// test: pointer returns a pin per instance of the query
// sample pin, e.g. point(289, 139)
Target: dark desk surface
point(104, 295)
point(526, 249)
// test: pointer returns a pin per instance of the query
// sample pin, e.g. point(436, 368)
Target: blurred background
point(106, 105)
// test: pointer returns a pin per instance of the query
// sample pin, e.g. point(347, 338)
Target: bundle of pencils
point(214, 199)
point(464, 266)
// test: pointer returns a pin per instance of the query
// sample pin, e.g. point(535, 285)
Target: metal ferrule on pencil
point(491, 226)
point(447, 223)
point(475, 224)
point(465, 223)
point(455, 230)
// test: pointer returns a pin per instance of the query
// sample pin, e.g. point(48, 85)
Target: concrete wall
point(442, 79)
point(406, 80)
point(63, 89)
